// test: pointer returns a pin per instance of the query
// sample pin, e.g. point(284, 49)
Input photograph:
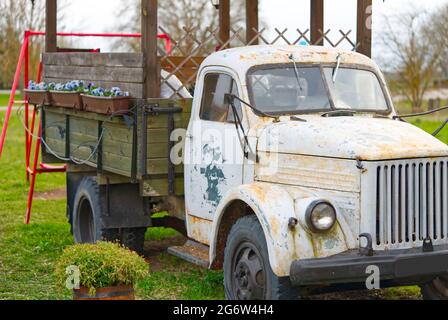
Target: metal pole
point(13, 93)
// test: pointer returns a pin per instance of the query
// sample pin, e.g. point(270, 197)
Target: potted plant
point(106, 101)
point(68, 95)
point(104, 271)
point(38, 93)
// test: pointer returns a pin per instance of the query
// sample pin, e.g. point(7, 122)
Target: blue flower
point(59, 87)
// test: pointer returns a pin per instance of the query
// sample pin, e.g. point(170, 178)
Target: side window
point(213, 107)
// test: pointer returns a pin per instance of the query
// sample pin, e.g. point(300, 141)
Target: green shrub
point(101, 265)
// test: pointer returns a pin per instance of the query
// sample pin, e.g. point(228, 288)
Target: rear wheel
point(436, 290)
point(247, 272)
point(86, 220)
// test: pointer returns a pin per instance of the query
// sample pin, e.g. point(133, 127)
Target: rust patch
point(259, 192)
point(274, 225)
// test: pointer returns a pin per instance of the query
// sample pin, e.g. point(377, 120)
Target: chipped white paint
point(310, 171)
point(333, 158)
point(274, 206)
point(359, 137)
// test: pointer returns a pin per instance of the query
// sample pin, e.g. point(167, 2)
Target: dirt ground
point(154, 249)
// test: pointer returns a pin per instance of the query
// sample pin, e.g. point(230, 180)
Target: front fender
point(274, 207)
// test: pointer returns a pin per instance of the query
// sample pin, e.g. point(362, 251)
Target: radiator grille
point(412, 202)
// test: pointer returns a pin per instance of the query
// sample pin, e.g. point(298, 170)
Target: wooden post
point(149, 48)
point(51, 26)
point(252, 22)
point(317, 22)
point(224, 21)
point(364, 33)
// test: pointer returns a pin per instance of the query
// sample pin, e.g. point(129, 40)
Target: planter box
point(38, 97)
point(105, 105)
point(111, 293)
point(63, 99)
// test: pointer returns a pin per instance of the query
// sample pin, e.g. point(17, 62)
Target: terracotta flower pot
point(105, 105)
point(38, 97)
point(110, 293)
point(65, 99)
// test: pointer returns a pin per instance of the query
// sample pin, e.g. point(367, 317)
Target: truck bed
point(134, 147)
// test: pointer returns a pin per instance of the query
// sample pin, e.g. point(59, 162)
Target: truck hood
point(361, 138)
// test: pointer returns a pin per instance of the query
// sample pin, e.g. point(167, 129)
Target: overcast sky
point(101, 16)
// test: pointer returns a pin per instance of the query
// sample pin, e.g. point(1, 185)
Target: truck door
point(214, 153)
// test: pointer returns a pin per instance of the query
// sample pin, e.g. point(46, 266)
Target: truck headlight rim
point(311, 212)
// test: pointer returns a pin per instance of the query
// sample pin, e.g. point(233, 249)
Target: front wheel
point(247, 272)
point(436, 290)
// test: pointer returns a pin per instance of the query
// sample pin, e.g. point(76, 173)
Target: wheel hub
point(249, 276)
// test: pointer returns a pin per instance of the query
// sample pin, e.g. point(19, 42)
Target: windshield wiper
point(291, 57)
point(338, 65)
point(339, 113)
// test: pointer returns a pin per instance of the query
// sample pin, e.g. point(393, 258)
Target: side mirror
point(229, 98)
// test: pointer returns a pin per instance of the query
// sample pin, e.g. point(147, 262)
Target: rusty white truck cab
point(299, 175)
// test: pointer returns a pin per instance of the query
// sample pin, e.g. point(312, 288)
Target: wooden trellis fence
point(185, 65)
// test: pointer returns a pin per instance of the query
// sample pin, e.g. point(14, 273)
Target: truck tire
point(86, 219)
point(134, 239)
point(247, 272)
point(436, 290)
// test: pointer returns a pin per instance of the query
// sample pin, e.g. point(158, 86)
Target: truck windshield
point(286, 90)
point(289, 90)
point(356, 89)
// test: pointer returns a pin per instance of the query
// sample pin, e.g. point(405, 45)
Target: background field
point(4, 99)
point(28, 253)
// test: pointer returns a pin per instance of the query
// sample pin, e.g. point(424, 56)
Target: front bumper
point(399, 266)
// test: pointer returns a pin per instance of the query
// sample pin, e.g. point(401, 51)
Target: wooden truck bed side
point(72, 134)
point(75, 134)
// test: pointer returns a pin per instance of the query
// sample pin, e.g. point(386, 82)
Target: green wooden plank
point(160, 167)
point(56, 146)
point(83, 153)
point(117, 161)
point(56, 132)
point(84, 126)
point(118, 132)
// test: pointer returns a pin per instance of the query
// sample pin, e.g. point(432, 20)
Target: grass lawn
point(28, 253)
point(4, 99)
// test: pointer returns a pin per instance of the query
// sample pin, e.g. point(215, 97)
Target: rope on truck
point(72, 159)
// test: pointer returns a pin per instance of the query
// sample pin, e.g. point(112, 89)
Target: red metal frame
point(39, 168)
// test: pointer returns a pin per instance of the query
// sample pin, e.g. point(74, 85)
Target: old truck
point(288, 169)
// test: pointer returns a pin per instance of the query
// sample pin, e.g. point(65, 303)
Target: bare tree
point(16, 17)
point(189, 22)
point(437, 31)
point(415, 55)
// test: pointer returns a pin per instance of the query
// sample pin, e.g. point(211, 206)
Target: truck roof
point(241, 59)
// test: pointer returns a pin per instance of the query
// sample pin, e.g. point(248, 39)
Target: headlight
point(321, 216)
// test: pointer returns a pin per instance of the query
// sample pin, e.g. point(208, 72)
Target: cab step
point(192, 252)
